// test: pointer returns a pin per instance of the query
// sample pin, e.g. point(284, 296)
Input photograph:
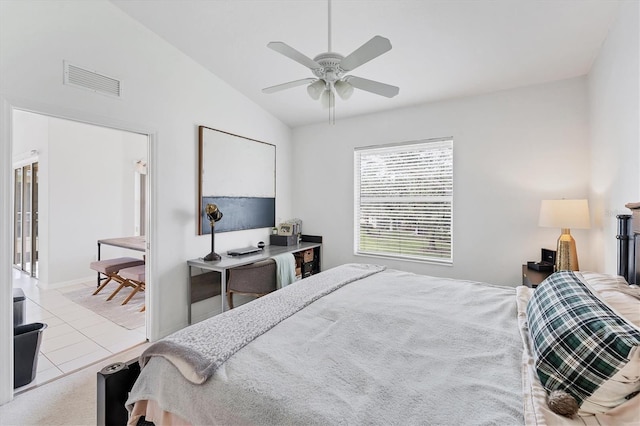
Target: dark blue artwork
point(240, 213)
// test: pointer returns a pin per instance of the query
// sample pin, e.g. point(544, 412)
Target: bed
point(363, 344)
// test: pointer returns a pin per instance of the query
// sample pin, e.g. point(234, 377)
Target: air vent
point(80, 77)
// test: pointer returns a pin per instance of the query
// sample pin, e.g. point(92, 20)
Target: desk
point(228, 262)
point(132, 243)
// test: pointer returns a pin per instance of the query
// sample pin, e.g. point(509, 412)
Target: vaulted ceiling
point(442, 49)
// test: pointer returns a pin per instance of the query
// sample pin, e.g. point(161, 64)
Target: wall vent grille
point(80, 77)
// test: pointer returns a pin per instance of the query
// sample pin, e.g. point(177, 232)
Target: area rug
point(127, 316)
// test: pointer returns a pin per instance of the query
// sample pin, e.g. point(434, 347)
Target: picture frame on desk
point(285, 229)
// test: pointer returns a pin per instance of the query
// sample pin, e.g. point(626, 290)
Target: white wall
point(91, 188)
point(165, 94)
point(511, 150)
point(615, 132)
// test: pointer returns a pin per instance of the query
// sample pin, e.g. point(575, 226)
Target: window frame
point(445, 143)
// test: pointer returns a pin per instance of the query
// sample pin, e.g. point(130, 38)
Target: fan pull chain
point(332, 98)
point(332, 108)
point(329, 25)
point(332, 115)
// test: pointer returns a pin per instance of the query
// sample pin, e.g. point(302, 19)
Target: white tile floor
point(75, 336)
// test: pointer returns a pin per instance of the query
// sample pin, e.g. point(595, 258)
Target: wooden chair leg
point(102, 286)
point(136, 289)
point(120, 287)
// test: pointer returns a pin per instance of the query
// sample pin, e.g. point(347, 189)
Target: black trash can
point(18, 306)
point(26, 345)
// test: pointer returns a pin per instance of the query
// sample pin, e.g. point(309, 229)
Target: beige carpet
point(70, 400)
point(127, 316)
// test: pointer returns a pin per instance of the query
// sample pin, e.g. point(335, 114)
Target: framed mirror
point(237, 174)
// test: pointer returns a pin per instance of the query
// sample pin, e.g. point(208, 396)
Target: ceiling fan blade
point(368, 51)
point(292, 53)
point(288, 85)
point(372, 86)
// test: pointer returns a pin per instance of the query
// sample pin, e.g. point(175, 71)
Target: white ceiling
point(441, 49)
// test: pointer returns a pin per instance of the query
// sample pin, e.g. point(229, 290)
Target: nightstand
point(531, 278)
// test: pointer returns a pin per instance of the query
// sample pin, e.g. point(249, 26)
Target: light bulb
point(328, 98)
point(315, 89)
point(344, 89)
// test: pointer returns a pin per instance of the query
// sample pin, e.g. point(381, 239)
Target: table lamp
point(214, 215)
point(565, 214)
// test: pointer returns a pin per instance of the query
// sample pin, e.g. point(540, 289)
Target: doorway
point(87, 182)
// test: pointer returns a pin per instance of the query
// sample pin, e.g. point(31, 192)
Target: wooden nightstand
point(531, 278)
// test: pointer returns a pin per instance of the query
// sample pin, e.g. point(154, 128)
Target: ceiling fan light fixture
point(329, 69)
point(315, 89)
point(344, 89)
point(328, 98)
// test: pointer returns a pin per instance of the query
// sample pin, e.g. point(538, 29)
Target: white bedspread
point(392, 349)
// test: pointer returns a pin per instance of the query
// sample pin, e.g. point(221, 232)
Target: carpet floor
point(69, 400)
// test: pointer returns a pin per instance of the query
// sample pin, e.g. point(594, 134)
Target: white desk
point(228, 262)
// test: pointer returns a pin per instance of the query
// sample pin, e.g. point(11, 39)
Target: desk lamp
point(565, 214)
point(214, 215)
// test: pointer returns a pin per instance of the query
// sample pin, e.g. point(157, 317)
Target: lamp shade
point(565, 214)
point(316, 88)
point(344, 89)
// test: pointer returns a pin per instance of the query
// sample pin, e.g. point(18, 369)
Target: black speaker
point(548, 256)
point(114, 383)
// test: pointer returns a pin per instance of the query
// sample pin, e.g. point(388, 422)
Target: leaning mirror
point(238, 175)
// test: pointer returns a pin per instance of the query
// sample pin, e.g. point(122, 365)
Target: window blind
point(404, 200)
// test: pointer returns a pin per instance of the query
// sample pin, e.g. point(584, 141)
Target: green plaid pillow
point(578, 341)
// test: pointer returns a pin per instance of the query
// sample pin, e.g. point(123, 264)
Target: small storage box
point(283, 240)
point(307, 256)
point(307, 270)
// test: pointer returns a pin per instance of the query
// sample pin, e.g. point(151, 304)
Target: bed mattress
point(391, 348)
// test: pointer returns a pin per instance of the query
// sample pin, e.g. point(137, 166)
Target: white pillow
point(615, 292)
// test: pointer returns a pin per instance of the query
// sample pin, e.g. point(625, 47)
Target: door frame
point(7, 106)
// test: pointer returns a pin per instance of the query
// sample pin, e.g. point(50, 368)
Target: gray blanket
point(197, 351)
point(393, 348)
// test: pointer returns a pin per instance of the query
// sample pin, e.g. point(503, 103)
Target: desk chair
point(256, 279)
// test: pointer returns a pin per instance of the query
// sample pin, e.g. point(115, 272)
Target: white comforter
point(392, 348)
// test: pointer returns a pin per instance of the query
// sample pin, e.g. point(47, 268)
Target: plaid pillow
point(578, 342)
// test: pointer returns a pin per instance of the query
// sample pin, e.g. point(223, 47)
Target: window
point(404, 200)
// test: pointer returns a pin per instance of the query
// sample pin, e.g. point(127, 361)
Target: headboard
point(628, 250)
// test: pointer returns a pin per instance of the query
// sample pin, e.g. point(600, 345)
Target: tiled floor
point(75, 336)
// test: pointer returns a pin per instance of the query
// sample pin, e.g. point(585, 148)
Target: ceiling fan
point(330, 70)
